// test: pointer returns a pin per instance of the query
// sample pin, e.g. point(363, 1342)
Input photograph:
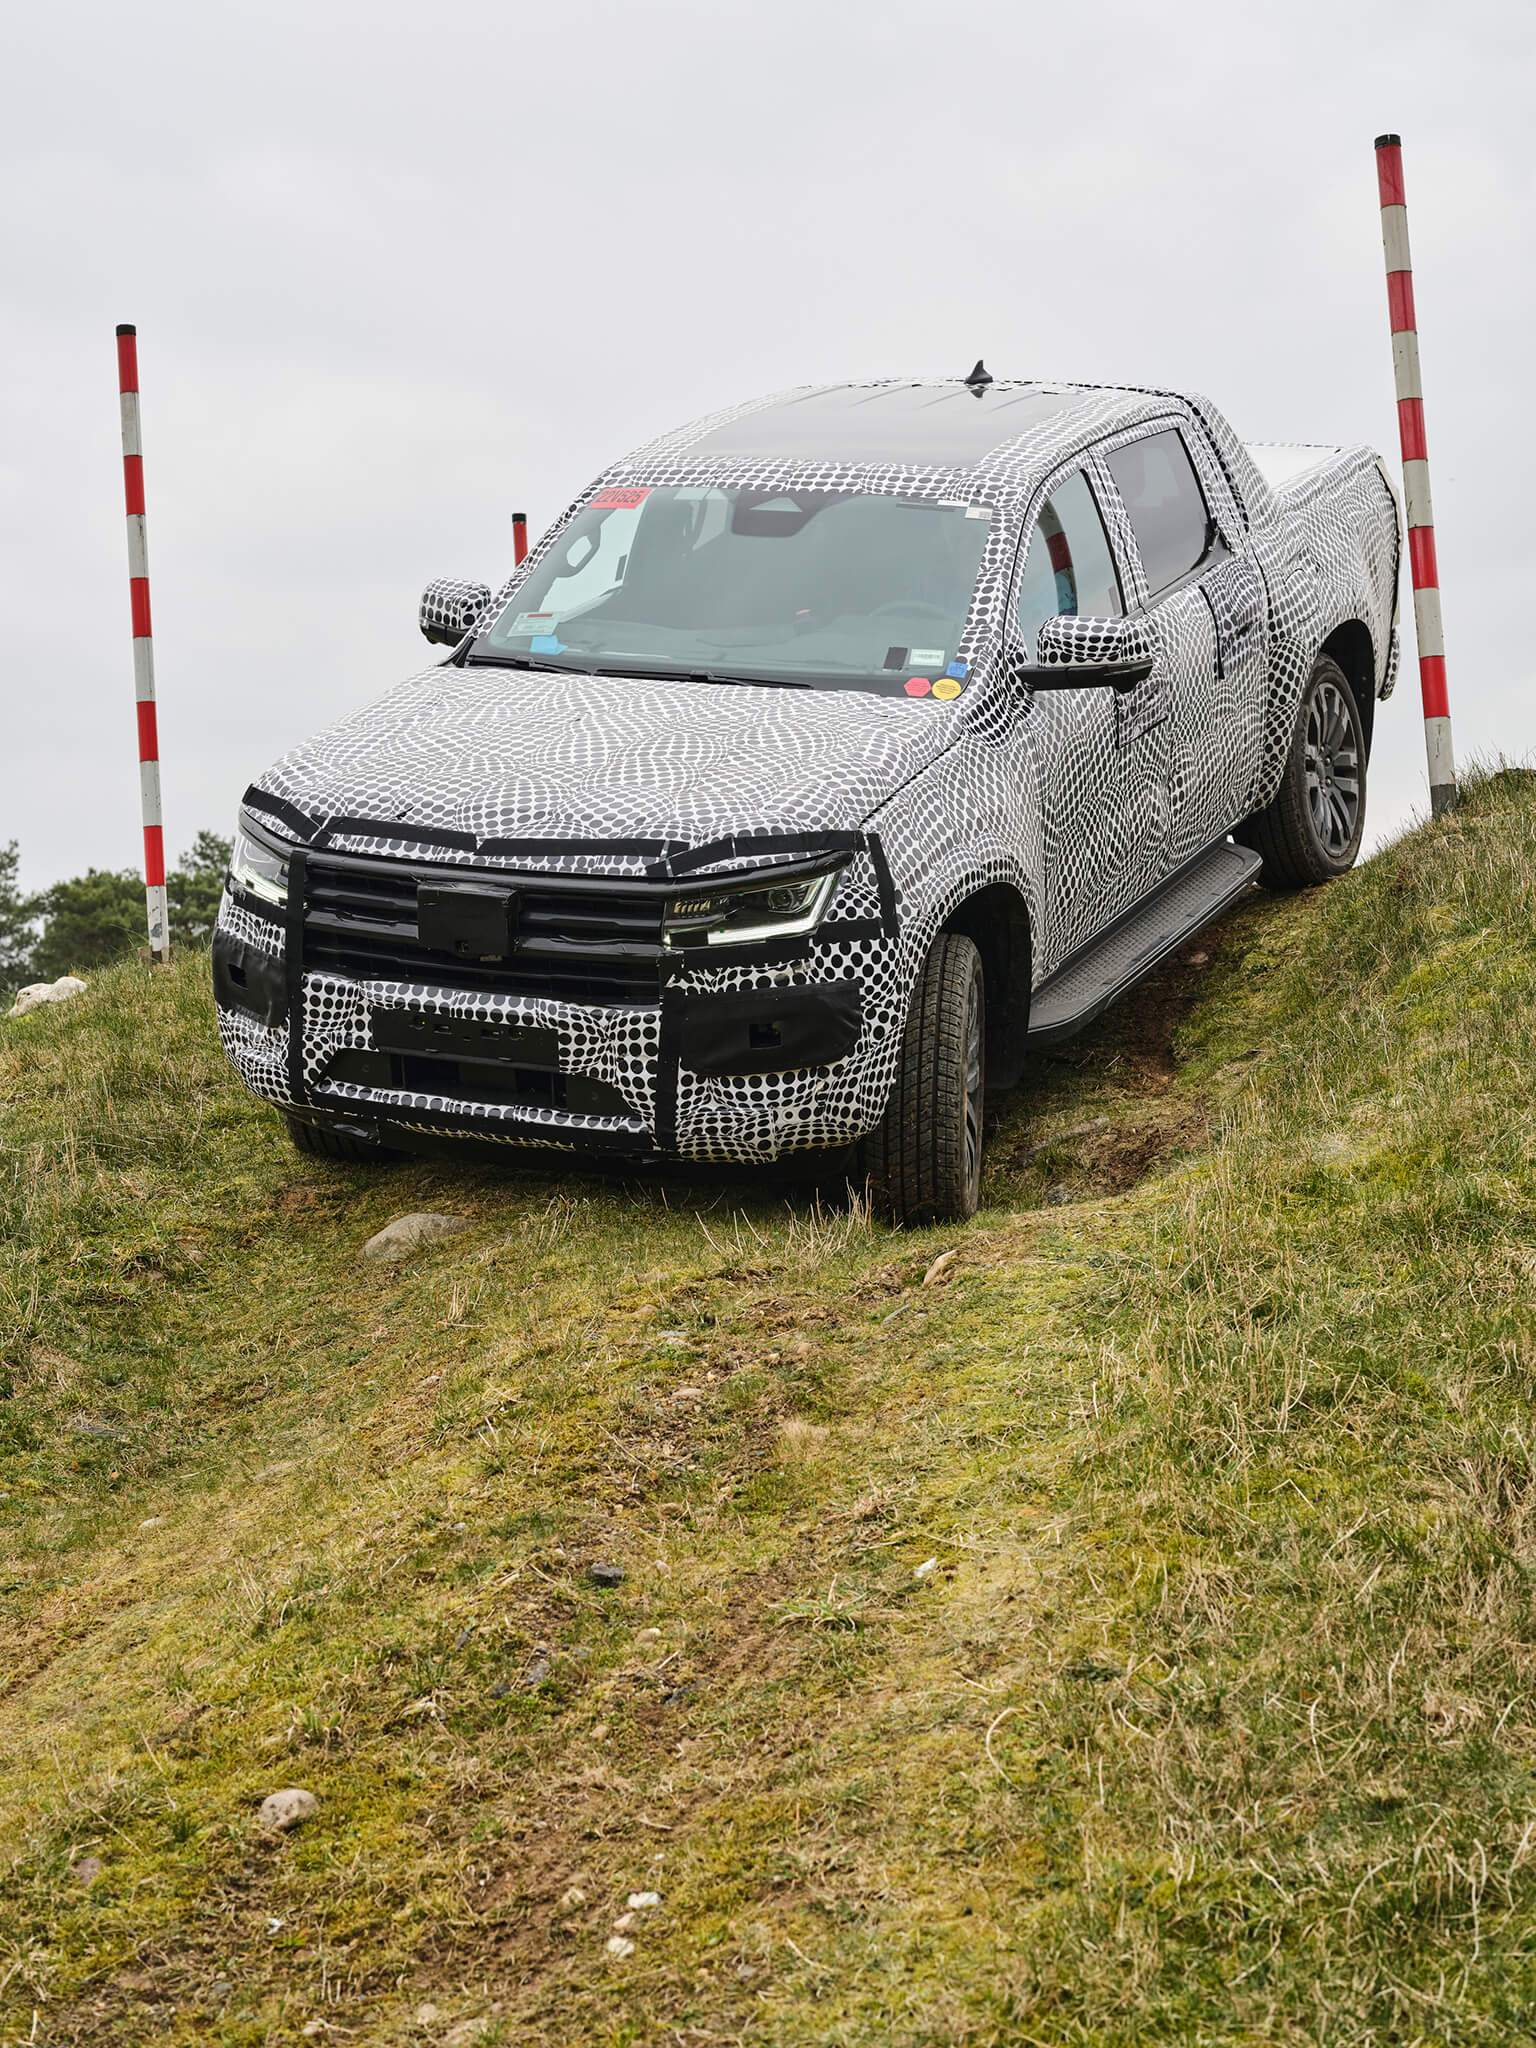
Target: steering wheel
point(911, 604)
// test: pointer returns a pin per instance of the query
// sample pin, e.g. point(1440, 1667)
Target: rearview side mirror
point(450, 609)
point(1085, 654)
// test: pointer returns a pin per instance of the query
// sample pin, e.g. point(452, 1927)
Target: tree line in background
point(99, 916)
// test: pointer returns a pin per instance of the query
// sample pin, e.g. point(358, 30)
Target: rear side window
point(1167, 508)
point(1069, 567)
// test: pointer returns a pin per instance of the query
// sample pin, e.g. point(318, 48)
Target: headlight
point(258, 868)
point(738, 914)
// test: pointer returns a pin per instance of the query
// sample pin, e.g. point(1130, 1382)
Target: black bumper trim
point(298, 880)
point(769, 1030)
point(246, 978)
point(506, 1133)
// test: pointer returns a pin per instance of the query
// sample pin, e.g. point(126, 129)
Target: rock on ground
point(407, 1234)
point(38, 992)
point(283, 1810)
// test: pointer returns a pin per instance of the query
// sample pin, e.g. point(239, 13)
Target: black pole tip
point(127, 330)
point(1389, 142)
point(519, 518)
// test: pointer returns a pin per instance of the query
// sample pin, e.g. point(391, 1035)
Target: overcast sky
point(399, 270)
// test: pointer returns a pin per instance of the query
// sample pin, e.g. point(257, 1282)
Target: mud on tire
point(923, 1159)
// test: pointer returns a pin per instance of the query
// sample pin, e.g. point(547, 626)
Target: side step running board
point(1089, 981)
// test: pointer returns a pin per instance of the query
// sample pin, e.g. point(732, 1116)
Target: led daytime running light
point(744, 912)
point(257, 868)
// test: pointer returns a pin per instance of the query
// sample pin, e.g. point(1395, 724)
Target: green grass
point(1213, 1722)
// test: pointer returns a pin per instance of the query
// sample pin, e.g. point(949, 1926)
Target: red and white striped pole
point(1421, 515)
point(143, 645)
point(519, 537)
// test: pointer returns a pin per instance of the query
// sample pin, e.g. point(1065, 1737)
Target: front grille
point(578, 939)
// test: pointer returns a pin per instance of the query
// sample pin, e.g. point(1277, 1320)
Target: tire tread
point(915, 1156)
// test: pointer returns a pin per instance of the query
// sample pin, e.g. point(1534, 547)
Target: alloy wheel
point(1332, 769)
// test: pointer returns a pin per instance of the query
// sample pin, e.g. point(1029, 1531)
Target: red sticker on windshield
point(917, 686)
point(620, 498)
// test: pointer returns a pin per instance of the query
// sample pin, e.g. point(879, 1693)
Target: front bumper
point(775, 1052)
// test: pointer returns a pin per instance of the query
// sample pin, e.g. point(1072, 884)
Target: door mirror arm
point(1120, 676)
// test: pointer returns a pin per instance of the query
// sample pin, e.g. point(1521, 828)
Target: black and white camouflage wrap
point(450, 608)
point(1079, 802)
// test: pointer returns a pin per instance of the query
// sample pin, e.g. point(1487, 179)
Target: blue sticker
point(956, 668)
point(546, 643)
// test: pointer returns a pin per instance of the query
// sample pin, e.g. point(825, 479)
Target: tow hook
point(362, 1133)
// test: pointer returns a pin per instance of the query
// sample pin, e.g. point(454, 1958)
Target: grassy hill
point(1211, 1719)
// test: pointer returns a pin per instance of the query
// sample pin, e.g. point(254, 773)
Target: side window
point(1068, 567)
point(1167, 507)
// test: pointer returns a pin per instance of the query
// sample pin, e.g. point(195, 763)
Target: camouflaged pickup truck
point(823, 759)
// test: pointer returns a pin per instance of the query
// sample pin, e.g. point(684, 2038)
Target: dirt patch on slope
point(1096, 1116)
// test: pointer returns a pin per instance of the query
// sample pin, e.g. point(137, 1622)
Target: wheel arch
point(996, 920)
point(1351, 646)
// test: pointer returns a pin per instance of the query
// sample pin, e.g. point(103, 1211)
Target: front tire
point(923, 1159)
point(1310, 830)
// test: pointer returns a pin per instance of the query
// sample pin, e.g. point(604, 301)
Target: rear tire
point(323, 1141)
point(923, 1159)
point(1310, 830)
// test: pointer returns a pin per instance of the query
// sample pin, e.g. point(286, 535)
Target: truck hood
point(509, 754)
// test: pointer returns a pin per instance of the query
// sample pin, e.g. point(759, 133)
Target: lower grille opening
point(491, 1082)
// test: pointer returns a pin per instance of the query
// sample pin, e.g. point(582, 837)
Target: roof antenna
point(979, 379)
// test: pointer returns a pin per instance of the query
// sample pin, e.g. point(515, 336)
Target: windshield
point(824, 589)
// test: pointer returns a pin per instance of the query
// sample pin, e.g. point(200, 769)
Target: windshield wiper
point(648, 675)
point(709, 675)
point(558, 668)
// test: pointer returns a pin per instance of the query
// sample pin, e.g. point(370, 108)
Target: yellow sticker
point(946, 687)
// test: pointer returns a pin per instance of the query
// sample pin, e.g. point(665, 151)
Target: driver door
point(1101, 780)
point(1208, 600)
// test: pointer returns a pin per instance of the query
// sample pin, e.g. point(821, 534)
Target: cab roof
point(932, 433)
point(969, 427)
point(944, 426)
